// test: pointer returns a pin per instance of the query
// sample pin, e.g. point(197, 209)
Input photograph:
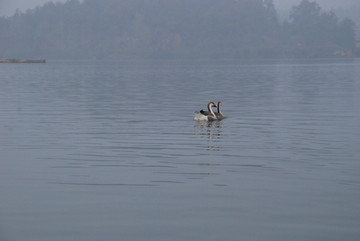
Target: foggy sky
point(8, 7)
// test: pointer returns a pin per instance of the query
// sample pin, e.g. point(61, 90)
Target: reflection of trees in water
point(211, 131)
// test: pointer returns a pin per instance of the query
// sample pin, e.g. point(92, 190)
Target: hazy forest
point(109, 29)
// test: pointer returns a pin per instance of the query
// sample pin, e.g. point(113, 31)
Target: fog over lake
point(97, 133)
point(108, 150)
point(180, 29)
point(8, 7)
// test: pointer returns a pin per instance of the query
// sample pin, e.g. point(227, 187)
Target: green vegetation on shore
point(175, 29)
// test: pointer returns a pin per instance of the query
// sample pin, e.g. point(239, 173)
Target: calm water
point(109, 151)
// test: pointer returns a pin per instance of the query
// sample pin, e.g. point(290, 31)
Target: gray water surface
point(97, 150)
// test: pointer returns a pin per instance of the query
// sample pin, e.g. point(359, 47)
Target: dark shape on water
point(22, 61)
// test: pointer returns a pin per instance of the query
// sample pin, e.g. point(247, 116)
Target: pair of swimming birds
point(209, 115)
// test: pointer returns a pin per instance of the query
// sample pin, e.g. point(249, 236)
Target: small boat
point(17, 61)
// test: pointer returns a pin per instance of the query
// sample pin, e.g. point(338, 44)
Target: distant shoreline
point(22, 61)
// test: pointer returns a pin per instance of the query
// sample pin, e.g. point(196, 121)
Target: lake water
point(97, 150)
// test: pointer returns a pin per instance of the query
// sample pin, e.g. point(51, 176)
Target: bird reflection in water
point(211, 131)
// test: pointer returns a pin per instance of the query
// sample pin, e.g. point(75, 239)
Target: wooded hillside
point(174, 29)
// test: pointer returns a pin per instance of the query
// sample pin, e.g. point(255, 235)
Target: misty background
point(173, 29)
point(8, 7)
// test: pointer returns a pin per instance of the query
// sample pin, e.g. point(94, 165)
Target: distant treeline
point(174, 29)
